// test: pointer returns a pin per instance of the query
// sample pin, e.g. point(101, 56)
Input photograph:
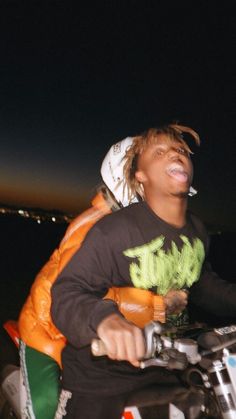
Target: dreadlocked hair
point(173, 131)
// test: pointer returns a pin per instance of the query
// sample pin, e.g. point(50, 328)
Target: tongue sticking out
point(179, 175)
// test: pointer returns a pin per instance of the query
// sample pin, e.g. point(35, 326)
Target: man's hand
point(124, 341)
point(176, 301)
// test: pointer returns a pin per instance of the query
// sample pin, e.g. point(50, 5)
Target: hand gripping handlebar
point(160, 349)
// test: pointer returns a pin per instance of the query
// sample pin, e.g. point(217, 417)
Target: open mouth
point(178, 173)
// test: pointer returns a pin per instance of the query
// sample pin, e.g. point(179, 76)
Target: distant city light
point(24, 213)
point(38, 215)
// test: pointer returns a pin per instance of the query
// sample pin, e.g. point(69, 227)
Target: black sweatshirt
point(131, 247)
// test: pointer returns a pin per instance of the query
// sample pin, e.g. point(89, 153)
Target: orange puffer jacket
point(35, 324)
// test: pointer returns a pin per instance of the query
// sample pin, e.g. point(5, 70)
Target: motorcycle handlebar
point(152, 329)
point(159, 349)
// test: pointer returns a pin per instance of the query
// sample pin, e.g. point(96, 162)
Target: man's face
point(165, 168)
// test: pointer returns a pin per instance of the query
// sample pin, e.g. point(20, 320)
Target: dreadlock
point(173, 131)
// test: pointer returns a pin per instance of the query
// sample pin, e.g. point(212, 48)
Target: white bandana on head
point(112, 171)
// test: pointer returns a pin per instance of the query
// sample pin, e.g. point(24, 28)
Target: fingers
point(129, 346)
point(176, 301)
point(124, 341)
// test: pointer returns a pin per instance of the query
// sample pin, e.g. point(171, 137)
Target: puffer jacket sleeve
point(35, 325)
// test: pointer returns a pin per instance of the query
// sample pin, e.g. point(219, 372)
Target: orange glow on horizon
point(44, 198)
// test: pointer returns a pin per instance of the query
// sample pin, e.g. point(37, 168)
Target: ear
point(140, 176)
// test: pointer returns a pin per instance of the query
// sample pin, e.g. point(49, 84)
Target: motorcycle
point(205, 360)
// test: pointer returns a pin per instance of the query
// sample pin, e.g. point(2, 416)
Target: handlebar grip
point(98, 347)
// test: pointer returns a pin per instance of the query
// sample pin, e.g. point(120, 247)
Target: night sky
point(75, 79)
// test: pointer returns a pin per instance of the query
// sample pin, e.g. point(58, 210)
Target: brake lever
point(170, 358)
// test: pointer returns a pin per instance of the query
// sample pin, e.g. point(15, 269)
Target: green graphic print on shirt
point(171, 269)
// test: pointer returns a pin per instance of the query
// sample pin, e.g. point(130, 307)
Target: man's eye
point(160, 152)
point(183, 151)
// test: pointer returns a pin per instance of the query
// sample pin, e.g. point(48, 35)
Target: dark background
point(76, 77)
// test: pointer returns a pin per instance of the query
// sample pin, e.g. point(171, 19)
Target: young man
point(156, 245)
point(41, 341)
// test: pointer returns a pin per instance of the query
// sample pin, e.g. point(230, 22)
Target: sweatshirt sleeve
point(77, 295)
point(214, 294)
